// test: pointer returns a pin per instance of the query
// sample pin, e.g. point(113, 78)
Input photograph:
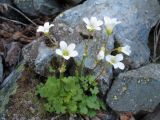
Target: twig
point(100, 73)
point(18, 22)
point(15, 9)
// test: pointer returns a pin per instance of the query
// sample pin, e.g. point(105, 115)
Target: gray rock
point(38, 7)
point(153, 116)
point(44, 57)
point(134, 30)
point(137, 18)
point(38, 56)
point(8, 87)
point(13, 53)
point(136, 90)
point(1, 70)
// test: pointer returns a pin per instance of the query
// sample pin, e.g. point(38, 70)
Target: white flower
point(101, 54)
point(66, 51)
point(45, 28)
point(93, 24)
point(126, 50)
point(116, 61)
point(110, 24)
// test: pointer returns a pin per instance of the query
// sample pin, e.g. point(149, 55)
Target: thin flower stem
point(100, 73)
point(82, 65)
point(76, 72)
point(105, 66)
point(83, 60)
point(105, 44)
point(85, 55)
point(97, 63)
point(49, 37)
point(62, 69)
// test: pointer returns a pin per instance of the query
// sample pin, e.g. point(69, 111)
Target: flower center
point(113, 61)
point(65, 53)
point(109, 30)
point(92, 28)
point(119, 49)
point(46, 33)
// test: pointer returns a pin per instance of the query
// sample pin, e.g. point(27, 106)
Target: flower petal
point(120, 65)
point(74, 53)
point(107, 20)
point(99, 22)
point(89, 27)
point(46, 25)
point(100, 55)
point(71, 47)
point(119, 57)
point(40, 29)
point(126, 50)
point(115, 66)
point(58, 52)
point(98, 28)
point(66, 57)
point(63, 45)
point(94, 20)
point(111, 21)
point(108, 58)
point(51, 25)
point(46, 30)
point(86, 20)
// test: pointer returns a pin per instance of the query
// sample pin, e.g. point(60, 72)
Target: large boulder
point(136, 90)
point(38, 56)
point(137, 17)
point(134, 31)
point(38, 7)
point(44, 7)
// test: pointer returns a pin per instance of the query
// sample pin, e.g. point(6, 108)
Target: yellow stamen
point(65, 52)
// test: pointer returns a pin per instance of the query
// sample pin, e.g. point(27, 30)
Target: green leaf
point(51, 70)
point(72, 95)
point(95, 90)
point(92, 102)
point(83, 110)
point(72, 107)
point(91, 113)
point(102, 104)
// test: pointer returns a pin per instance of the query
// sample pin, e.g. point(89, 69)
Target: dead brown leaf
point(127, 116)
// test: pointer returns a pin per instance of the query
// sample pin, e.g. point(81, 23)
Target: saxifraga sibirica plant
point(78, 94)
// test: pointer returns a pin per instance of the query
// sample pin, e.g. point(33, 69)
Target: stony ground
point(26, 105)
